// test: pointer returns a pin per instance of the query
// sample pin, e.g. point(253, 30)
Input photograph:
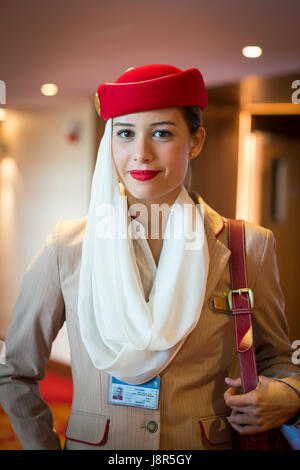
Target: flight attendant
point(134, 280)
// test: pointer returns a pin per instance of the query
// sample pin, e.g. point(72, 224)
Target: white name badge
point(144, 395)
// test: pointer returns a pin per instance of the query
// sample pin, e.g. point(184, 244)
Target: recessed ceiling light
point(252, 51)
point(49, 89)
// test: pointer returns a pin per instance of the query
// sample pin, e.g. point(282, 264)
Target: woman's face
point(153, 140)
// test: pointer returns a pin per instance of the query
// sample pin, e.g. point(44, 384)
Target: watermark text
point(181, 222)
point(296, 353)
point(296, 94)
point(2, 92)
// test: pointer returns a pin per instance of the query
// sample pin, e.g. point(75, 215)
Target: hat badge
point(97, 104)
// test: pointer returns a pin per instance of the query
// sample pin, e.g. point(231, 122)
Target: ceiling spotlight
point(252, 51)
point(49, 89)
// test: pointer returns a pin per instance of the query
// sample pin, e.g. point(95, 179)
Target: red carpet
point(57, 391)
point(56, 388)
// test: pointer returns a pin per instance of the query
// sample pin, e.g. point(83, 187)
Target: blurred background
point(248, 168)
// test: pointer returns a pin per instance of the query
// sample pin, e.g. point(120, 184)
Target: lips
point(143, 175)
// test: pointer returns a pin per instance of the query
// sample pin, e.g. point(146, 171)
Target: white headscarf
point(126, 336)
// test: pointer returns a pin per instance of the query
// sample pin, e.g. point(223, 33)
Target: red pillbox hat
point(151, 87)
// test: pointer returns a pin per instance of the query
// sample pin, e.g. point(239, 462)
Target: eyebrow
point(152, 124)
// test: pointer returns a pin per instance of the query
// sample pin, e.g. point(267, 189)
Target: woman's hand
point(271, 404)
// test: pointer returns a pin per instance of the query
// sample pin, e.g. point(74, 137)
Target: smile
point(143, 175)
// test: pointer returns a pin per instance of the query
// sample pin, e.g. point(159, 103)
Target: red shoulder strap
point(242, 310)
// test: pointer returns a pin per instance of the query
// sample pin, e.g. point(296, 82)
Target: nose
point(142, 151)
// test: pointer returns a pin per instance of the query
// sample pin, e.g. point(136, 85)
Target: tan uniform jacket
point(192, 411)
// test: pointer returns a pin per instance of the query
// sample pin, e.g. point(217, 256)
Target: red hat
point(151, 87)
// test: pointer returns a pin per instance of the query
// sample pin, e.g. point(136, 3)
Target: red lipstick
point(143, 175)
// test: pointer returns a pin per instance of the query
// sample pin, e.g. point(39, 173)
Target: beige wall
point(43, 179)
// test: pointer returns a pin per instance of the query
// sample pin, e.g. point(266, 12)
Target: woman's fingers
point(242, 418)
point(244, 423)
point(247, 429)
point(233, 382)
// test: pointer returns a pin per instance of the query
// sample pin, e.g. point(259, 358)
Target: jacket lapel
point(218, 252)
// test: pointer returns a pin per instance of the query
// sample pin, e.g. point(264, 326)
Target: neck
point(148, 217)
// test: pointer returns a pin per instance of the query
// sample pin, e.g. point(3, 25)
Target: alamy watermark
point(185, 222)
point(2, 92)
point(296, 94)
point(296, 354)
point(2, 352)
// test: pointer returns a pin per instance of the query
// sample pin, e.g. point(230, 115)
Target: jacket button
point(152, 426)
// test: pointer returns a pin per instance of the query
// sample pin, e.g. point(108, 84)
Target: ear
point(197, 142)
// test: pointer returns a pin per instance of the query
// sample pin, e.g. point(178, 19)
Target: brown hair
point(193, 118)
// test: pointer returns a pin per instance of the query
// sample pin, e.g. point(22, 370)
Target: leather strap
point(242, 311)
point(241, 308)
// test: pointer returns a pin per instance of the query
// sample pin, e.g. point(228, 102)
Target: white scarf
point(126, 336)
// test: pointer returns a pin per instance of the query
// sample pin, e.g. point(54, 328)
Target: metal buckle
point(240, 291)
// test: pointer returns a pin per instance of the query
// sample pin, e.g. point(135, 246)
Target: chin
point(145, 193)
point(152, 194)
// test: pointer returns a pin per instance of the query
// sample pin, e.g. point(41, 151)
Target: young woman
point(133, 280)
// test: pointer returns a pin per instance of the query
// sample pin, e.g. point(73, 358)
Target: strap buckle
point(240, 291)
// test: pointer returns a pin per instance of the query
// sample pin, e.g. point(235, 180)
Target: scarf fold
point(124, 335)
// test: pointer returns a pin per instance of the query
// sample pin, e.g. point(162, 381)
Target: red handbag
point(241, 303)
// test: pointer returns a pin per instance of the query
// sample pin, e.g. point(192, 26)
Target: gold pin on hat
point(97, 104)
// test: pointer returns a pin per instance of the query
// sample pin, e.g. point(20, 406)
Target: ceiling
point(79, 44)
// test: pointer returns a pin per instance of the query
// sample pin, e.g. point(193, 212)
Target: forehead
point(151, 116)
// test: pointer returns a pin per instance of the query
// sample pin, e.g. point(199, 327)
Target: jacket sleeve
point(37, 317)
point(270, 327)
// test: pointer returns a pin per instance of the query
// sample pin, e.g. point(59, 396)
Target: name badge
point(144, 395)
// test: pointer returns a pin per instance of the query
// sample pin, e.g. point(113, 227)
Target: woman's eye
point(163, 133)
point(124, 132)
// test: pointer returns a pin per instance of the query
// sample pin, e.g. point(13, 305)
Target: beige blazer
point(192, 411)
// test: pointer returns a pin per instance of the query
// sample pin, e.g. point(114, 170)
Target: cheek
point(176, 158)
point(118, 156)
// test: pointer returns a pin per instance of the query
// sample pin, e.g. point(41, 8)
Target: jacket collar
point(219, 254)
